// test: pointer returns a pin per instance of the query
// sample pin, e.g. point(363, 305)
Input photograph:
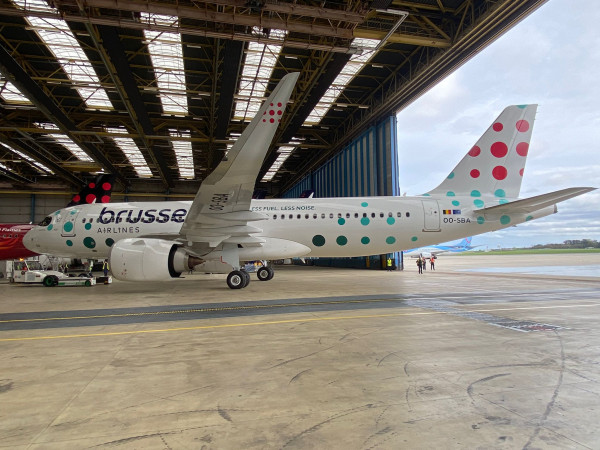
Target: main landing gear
point(239, 279)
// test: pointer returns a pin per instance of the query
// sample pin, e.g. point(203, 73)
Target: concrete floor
point(315, 358)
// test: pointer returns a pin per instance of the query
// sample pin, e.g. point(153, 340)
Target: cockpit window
point(46, 222)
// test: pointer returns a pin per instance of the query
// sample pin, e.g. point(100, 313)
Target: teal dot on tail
point(451, 175)
point(414, 238)
point(364, 221)
point(500, 193)
point(480, 220)
point(478, 203)
point(390, 240)
point(318, 240)
point(475, 193)
point(391, 221)
point(455, 202)
point(365, 240)
point(502, 201)
point(341, 221)
point(505, 220)
point(528, 218)
point(450, 194)
point(69, 243)
point(364, 204)
point(341, 240)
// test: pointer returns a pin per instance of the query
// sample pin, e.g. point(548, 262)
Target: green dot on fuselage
point(88, 226)
point(365, 240)
point(390, 240)
point(364, 221)
point(391, 221)
point(318, 240)
point(341, 240)
point(414, 238)
point(89, 242)
point(69, 243)
point(341, 221)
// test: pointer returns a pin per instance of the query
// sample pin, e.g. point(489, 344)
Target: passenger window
point(315, 216)
point(299, 216)
point(347, 215)
point(399, 214)
point(306, 216)
point(83, 220)
point(373, 215)
point(291, 216)
point(331, 215)
point(390, 214)
point(381, 214)
point(364, 214)
point(274, 216)
point(356, 215)
point(339, 215)
point(407, 214)
point(282, 216)
point(322, 215)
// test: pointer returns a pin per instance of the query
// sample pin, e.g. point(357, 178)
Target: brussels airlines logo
point(142, 216)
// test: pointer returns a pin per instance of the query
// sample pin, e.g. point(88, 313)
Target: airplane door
point(431, 210)
point(68, 226)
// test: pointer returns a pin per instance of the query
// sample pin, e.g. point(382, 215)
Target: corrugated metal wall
point(366, 167)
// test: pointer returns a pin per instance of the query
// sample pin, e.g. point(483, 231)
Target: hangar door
point(431, 210)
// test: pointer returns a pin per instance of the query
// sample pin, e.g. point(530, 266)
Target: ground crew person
point(105, 267)
point(389, 264)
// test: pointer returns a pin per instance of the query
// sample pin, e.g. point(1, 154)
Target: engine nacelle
point(138, 259)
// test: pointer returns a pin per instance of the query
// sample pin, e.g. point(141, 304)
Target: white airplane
point(161, 240)
point(426, 252)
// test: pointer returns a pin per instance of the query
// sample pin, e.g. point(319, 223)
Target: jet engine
point(138, 259)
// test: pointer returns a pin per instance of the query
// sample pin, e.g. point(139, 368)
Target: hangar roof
point(155, 91)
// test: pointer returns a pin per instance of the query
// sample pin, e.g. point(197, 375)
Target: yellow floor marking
point(275, 322)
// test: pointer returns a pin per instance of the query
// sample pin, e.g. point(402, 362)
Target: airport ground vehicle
point(23, 271)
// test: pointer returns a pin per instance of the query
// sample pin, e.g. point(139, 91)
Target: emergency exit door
point(431, 211)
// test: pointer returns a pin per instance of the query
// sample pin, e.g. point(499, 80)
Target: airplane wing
point(536, 203)
point(220, 212)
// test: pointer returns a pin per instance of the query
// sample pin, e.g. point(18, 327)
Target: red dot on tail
point(105, 199)
point(272, 113)
point(475, 151)
point(92, 185)
point(279, 112)
point(264, 120)
point(497, 126)
point(475, 173)
point(106, 186)
point(279, 104)
point(522, 126)
point(90, 198)
point(76, 198)
point(271, 104)
point(499, 149)
point(272, 120)
point(499, 172)
point(522, 148)
point(521, 172)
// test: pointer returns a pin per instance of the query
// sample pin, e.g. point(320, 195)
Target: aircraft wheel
point(265, 273)
point(246, 277)
point(50, 280)
point(236, 280)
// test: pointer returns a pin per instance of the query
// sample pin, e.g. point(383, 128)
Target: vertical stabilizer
point(494, 166)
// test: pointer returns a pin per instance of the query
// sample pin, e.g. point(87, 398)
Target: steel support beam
point(12, 71)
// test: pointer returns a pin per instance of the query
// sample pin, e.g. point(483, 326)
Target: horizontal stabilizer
point(536, 203)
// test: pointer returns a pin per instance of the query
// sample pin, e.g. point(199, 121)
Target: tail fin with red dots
point(96, 191)
point(494, 166)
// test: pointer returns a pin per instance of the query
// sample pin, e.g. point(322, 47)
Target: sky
point(551, 58)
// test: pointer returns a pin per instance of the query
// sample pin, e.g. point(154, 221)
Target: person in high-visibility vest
point(389, 264)
point(105, 267)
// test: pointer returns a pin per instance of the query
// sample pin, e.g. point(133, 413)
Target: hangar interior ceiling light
point(59, 39)
point(352, 67)
point(284, 153)
point(11, 94)
point(32, 162)
point(131, 152)
point(166, 54)
point(183, 153)
point(64, 140)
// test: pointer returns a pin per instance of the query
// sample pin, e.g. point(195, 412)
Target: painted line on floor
point(279, 322)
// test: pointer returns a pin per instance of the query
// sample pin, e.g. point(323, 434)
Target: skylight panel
point(352, 67)
point(166, 54)
point(36, 165)
point(183, 153)
point(11, 94)
point(284, 153)
point(65, 141)
point(259, 61)
point(131, 152)
point(59, 39)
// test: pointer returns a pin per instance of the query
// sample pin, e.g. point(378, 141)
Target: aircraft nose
point(29, 240)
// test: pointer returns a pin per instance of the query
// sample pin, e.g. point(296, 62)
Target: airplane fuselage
point(11, 241)
point(332, 227)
